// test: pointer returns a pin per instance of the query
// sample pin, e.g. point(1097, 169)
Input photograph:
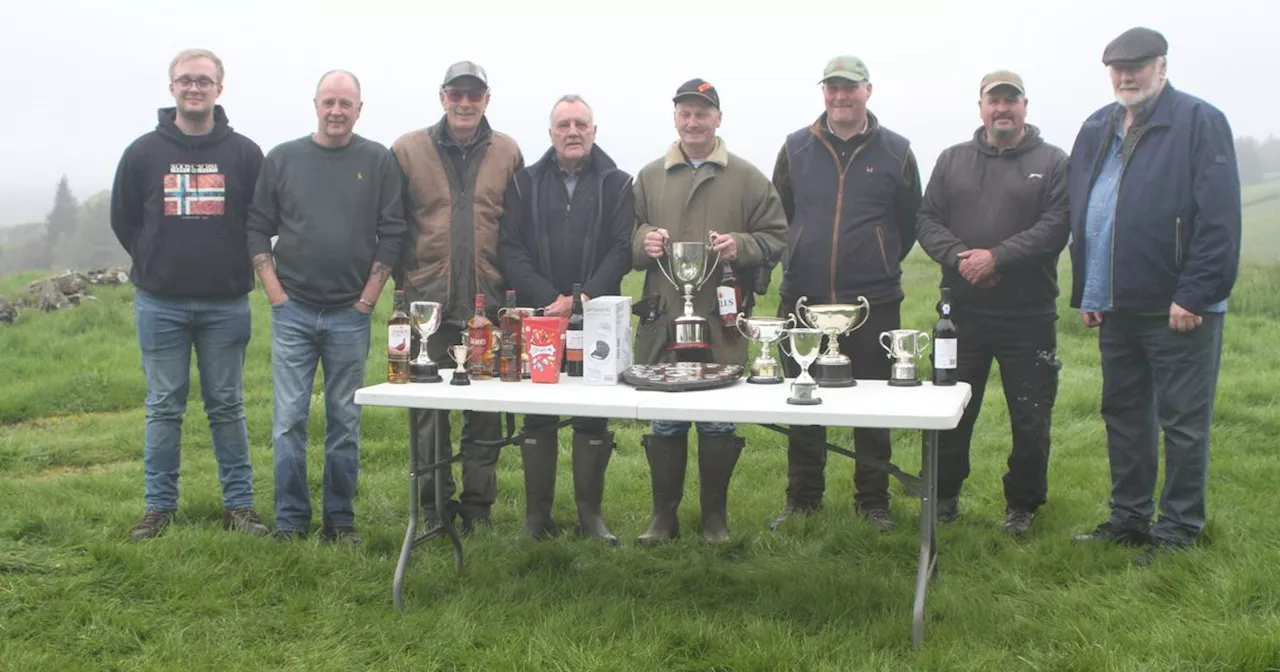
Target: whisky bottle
point(398, 341)
point(509, 337)
point(480, 343)
point(729, 296)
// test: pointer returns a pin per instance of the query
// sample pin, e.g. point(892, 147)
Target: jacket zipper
point(835, 225)
point(1177, 242)
point(884, 256)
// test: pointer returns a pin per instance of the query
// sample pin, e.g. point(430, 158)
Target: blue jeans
point(675, 428)
point(219, 330)
point(337, 339)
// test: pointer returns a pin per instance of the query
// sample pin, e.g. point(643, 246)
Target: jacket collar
point(675, 156)
point(597, 161)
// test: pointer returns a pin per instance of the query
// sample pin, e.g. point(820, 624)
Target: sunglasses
point(473, 95)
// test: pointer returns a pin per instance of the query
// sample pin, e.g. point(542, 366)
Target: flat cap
point(697, 89)
point(1001, 78)
point(465, 69)
point(1134, 46)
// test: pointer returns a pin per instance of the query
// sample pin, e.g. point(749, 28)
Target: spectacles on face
point(473, 95)
point(201, 83)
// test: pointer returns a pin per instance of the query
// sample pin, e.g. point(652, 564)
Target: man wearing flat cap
point(850, 188)
point(1155, 246)
point(455, 179)
point(994, 217)
point(698, 188)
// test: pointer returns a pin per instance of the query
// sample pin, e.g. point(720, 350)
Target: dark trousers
point(1155, 378)
point(479, 480)
point(806, 452)
point(1025, 349)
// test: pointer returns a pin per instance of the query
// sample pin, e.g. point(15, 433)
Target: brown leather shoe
point(879, 518)
point(152, 523)
point(244, 520)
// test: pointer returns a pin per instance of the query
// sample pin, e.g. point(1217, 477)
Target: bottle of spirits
point(509, 338)
point(573, 336)
point(729, 296)
point(945, 343)
point(398, 341)
point(480, 343)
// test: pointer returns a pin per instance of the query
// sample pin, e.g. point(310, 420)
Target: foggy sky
point(85, 78)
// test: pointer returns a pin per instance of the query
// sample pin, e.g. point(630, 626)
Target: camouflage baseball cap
point(1001, 78)
point(465, 69)
point(847, 67)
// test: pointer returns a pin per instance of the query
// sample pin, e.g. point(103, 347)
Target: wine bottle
point(945, 340)
point(573, 336)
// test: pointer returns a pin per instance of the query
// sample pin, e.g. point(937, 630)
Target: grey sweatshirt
point(335, 212)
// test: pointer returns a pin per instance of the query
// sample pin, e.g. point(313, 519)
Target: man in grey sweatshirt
point(333, 201)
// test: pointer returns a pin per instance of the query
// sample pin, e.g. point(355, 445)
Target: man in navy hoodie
point(178, 205)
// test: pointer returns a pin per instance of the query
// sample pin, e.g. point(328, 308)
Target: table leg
point(443, 467)
point(412, 532)
point(928, 536)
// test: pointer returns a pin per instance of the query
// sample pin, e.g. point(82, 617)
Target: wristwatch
point(366, 303)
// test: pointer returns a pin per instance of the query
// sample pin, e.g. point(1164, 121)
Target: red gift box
point(544, 345)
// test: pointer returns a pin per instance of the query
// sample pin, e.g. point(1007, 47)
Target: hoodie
point(1012, 202)
point(179, 205)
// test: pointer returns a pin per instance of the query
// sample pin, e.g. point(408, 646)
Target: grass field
point(825, 593)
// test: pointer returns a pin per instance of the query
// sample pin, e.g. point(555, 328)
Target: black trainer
point(1017, 521)
point(1109, 532)
point(340, 534)
point(949, 509)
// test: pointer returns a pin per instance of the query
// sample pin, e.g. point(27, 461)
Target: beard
point(1130, 98)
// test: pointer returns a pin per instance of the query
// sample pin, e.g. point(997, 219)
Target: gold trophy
point(833, 369)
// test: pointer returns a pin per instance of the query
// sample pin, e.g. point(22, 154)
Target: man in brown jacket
point(698, 187)
point(456, 174)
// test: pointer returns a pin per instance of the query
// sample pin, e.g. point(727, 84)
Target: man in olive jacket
point(698, 187)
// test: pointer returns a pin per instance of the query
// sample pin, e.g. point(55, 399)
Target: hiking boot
point(949, 509)
point(1110, 532)
point(244, 520)
point(879, 518)
point(340, 534)
point(152, 523)
point(1017, 521)
point(793, 509)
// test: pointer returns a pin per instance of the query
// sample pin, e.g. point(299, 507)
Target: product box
point(544, 345)
point(606, 336)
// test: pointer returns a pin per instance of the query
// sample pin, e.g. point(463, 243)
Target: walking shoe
point(948, 509)
point(340, 534)
point(244, 520)
point(879, 518)
point(152, 523)
point(793, 509)
point(289, 535)
point(471, 518)
point(1156, 547)
point(1109, 532)
point(1016, 521)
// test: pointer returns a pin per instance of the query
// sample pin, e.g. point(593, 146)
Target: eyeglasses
point(201, 83)
point(473, 95)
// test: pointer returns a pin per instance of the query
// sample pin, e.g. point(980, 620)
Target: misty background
point(86, 79)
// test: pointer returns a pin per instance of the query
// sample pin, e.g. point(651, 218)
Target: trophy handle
point(802, 312)
point(709, 268)
point(502, 312)
point(791, 320)
point(866, 312)
point(737, 322)
point(922, 343)
point(786, 336)
point(884, 345)
point(666, 255)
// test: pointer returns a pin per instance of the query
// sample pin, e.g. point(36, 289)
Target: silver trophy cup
point(833, 369)
point(904, 345)
point(458, 353)
point(805, 345)
point(424, 316)
point(691, 267)
point(766, 331)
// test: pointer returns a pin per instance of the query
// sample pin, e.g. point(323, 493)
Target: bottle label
point(573, 346)
point(944, 353)
point(728, 300)
point(398, 340)
point(479, 343)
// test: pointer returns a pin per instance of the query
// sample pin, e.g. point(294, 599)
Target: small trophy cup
point(766, 331)
point(805, 344)
point(904, 345)
point(833, 369)
point(689, 270)
point(424, 316)
point(458, 353)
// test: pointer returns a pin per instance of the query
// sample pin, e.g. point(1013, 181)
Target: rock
point(108, 276)
point(48, 297)
point(70, 282)
point(8, 312)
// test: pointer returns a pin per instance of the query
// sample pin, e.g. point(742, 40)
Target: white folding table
point(870, 403)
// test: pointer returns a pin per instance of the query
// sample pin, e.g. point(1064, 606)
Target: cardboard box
point(606, 336)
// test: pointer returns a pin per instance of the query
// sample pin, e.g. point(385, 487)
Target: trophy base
point(460, 378)
point(424, 373)
point(904, 382)
point(764, 373)
point(695, 345)
point(833, 374)
point(804, 394)
point(756, 379)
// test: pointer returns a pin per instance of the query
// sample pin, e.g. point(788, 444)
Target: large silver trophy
point(805, 344)
point(766, 331)
point(833, 369)
point(904, 345)
point(425, 317)
point(691, 267)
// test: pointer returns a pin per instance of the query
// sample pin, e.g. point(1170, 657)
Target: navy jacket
point(1177, 221)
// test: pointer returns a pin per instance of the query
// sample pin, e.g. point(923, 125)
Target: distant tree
point(1269, 155)
point(94, 245)
point(1248, 160)
point(61, 222)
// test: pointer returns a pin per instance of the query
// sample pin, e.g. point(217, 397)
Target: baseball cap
point(847, 67)
point(700, 89)
point(465, 69)
point(1001, 78)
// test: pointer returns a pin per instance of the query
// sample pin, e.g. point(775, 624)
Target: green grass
point(824, 593)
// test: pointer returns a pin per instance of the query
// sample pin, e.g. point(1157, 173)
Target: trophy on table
point(458, 353)
point(766, 331)
point(689, 271)
point(833, 369)
point(424, 316)
point(904, 345)
point(805, 344)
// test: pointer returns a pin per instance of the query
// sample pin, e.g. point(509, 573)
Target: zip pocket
point(1177, 242)
point(883, 256)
